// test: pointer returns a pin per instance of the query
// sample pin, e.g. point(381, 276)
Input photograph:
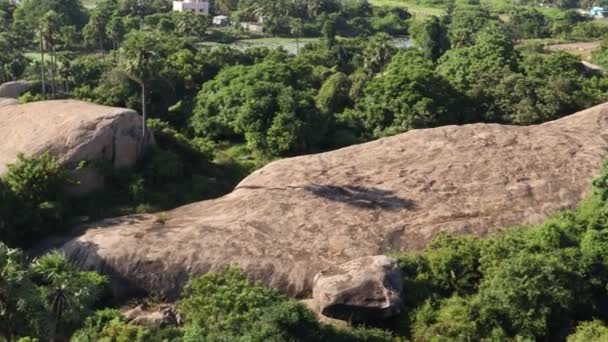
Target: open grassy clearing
point(89, 3)
point(412, 6)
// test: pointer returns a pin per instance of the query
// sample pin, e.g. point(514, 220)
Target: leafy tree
point(394, 21)
point(476, 70)
point(431, 36)
point(492, 51)
point(228, 306)
point(333, 96)
point(33, 188)
point(560, 84)
point(330, 28)
point(528, 23)
point(600, 55)
point(268, 104)
point(209, 301)
point(467, 22)
point(95, 32)
point(12, 61)
point(454, 264)
point(116, 31)
point(30, 12)
point(378, 53)
point(407, 95)
point(590, 331)
point(21, 308)
point(190, 24)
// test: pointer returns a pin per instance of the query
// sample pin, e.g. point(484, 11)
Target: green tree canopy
point(29, 12)
point(408, 95)
point(268, 104)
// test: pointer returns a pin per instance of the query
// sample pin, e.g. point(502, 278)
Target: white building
point(194, 6)
point(221, 20)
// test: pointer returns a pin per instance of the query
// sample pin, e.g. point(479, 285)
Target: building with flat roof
point(194, 6)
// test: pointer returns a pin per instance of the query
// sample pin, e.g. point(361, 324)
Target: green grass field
point(89, 3)
point(412, 6)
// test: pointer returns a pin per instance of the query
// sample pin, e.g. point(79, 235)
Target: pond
point(290, 44)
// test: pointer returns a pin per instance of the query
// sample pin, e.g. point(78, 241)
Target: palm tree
point(64, 70)
point(378, 53)
point(296, 31)
point(42, 71)
point(50, 25)
point(116, 31)
point(141, 61)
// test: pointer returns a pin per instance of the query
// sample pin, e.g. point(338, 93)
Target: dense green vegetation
point(219, 112)
point(530, 283)
point(46, 298)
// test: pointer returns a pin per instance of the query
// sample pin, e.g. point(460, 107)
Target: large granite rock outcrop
point(74, 132)
point(293, 218)
point(362, 290)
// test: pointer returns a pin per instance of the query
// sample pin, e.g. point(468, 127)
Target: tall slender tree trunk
point(42, 69)
point(116, 53)
point(103, 53)
point(53, 85)
point(144, 113)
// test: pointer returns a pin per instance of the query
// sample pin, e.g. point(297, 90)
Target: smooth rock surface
point(13, 90)
point(295, 217)
point(362, 290)
point(73, 131)
point(7, 102)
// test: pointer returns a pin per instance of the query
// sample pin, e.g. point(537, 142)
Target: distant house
point(252, 27)
point(221, 20)
point(597, 12)
point(194, 6)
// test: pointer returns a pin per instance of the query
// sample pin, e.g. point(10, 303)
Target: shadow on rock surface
point(361, 197)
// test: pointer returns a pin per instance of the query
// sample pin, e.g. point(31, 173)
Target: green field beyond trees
point(322, 74)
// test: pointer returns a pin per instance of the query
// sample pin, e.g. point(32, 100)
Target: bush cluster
point(532, 283)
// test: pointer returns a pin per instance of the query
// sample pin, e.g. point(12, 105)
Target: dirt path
point(582, 49)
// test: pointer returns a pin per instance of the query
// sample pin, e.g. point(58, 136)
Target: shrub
point(31, 199)
point(226, 301)
point(590, 331)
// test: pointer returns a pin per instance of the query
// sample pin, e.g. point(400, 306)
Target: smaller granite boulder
point(362, 290)
point(163, 317)
point(13, 90)
point(7, 102)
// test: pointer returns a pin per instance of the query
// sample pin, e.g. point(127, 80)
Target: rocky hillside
point(291, 219)
point(73, 131)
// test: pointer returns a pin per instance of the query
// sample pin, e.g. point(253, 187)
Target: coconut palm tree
point(50, 26)
point(378, 53)
point(140, 63)
point(296, 31)
point(39, 36)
